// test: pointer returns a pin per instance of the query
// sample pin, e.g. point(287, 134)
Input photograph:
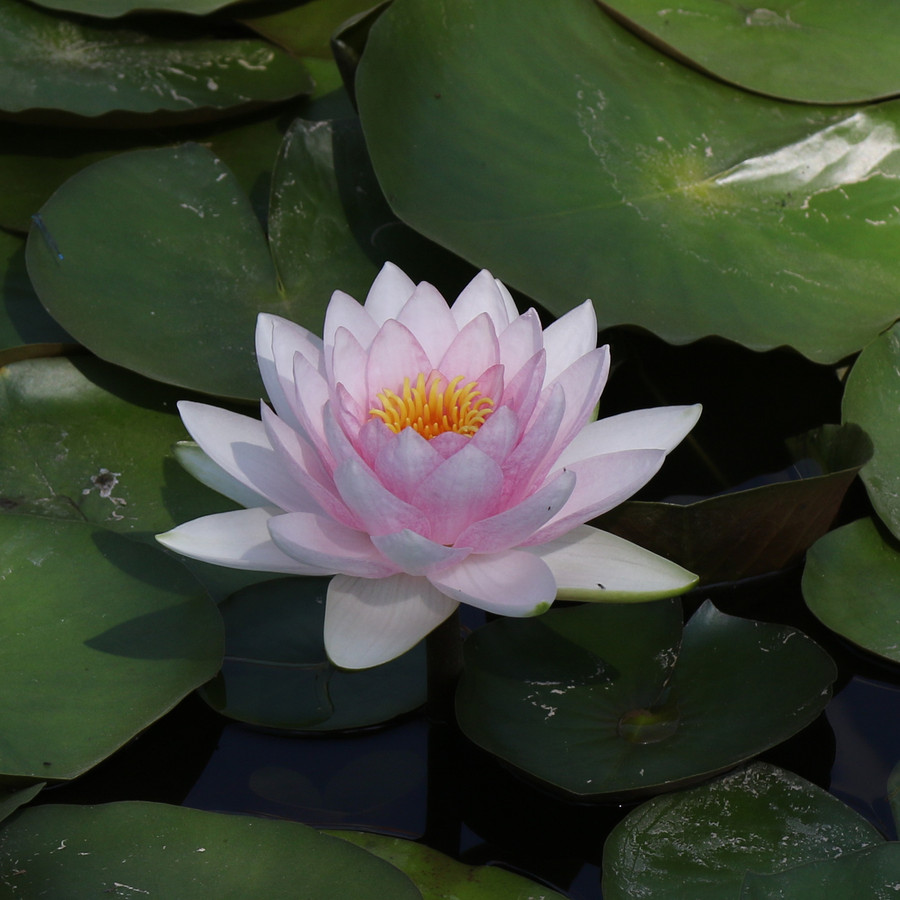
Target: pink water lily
point(428, 455)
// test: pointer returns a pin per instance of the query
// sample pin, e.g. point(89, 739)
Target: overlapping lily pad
point(114, 8)
point(574, 160)
point(81, 852)
point(759, 819)
point(817, 51)
point(851, 583)
point(102, 635)
point(59, 63)
point(276, 672)
point(600, 700)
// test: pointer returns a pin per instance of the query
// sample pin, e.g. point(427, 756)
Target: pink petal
point(460, 491)
point(319, 541)
point(368, 622)
point(520, 342)
point(523, 391)
point(481, 295)
point(602, 482)
point(416, 555)
point(404, 462)
point(395, 354)
point(348, 366)
point(371, 439)
point(512, 311)
point(515, 525)
point(380, 511)
point(428, 317)
point(498, 435)
point(240, 446)
point(569, 338)
point(508, 583)
point(310, 396)
point(389, 292)
point(473, 350)
point(344, 312)
point(449, 442)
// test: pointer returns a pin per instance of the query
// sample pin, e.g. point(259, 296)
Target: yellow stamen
point(432, 411)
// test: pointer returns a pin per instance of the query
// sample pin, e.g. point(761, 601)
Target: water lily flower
point(428, 455)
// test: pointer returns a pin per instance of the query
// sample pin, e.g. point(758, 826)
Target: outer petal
point(344, 312)
point(238, 540)
point(416, 555)
point(511, 583)
point(481, 295)
point(520, 342)
point(321, 542)
point(348, 366)
point(660, 428)
point(214, 476)
point(590, 564)
point(389, 292)
point(428, 317)
point(240, 446)
point(368, 622)
point(569, 338)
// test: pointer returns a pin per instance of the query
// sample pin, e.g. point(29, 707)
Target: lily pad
point(58, 63)
point(439, 877)
point(102, 636)
point(815, 52)
point(115, 8)
point(851, 583)
point(550, 145)
point(613, 699)
point(81, 852)
point(276, 672)
point(759, 819)
point(84, 441)
point(12, 800)
point(754, 531)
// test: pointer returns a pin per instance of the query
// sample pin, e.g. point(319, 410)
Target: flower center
point(432, 411)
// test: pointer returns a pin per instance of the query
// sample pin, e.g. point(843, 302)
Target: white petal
point(389, 292)
point(590, 564)
point(241, 447)
point(520, 342)
point(569, 338)
point(369, 622)
point(237, 540)
point(416, 555)
point(481, 295)
point(660, 428)
point(507, 583)
point(344, 312)
point(511, 311)
point(214, 476)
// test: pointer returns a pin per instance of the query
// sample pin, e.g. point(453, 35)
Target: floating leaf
point(851, 583)
point(750, 532)
point(811, 52)
point(57, 63)
point(102, 635)
point(114, 8)
point(705, 839)
point(550, 145)
point(11, 801)
point(82, 852)
point(439, 877)
point(276, 672)
point(612, 699)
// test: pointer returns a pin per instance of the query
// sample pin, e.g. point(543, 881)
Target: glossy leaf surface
point(851, 583)
point(615, 700)
point(102, 636)
point(705, 839)
point(550, 145)
point(80, 852)
point(276, 673)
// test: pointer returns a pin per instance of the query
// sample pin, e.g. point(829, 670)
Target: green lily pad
point(12, 800)
point(871, 399)
point(84, 441)
point(102, 636)
point(873, 872)
point(276, 672)
point(760, 819)
point(81, 852)
point(613, 699)
point(113, 8)
point(815, 52)
point(851, 583)
point(56, 63)
point(751, 532)
point(550, 145)
point(439, 877)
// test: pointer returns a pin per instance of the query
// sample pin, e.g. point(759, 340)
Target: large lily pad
point(758, 819)
point(851, 583)
point(276, 672)
point(101, 636)
point(115, 8)
point(84, 441)
point(817, 51)
point(52, 62)
point(439, 877)
point(82, 852)
point(600, 700)
point(547, 143)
